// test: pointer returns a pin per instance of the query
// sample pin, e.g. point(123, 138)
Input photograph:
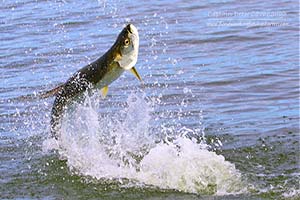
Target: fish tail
point(56, 117)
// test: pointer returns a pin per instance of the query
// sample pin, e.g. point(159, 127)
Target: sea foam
point(123, 145)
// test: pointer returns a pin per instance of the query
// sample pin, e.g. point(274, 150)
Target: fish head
point(127, 46)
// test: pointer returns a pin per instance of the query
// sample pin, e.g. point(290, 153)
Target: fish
point(122, 56)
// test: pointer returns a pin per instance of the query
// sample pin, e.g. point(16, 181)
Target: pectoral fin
point(104, 91)
point(135, 73)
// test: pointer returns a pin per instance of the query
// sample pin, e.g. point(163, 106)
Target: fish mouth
point(132, 29)
point(129, 28)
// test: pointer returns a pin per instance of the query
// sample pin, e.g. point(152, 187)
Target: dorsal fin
point(39, 95)
point(50, 93)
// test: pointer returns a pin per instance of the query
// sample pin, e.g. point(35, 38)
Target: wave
point(123, 146)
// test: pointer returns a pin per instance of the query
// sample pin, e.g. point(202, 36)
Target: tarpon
point(96, 75)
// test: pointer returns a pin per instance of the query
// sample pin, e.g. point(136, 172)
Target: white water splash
point(292, 193)
point(122, 146)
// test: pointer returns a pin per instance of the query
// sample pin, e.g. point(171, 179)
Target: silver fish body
point(97, 75)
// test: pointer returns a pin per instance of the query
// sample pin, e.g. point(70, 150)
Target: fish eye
point(126, 42)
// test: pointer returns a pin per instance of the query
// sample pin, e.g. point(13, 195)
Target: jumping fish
point(96, 75)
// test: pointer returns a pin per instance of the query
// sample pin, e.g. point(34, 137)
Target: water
point(217, 115)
